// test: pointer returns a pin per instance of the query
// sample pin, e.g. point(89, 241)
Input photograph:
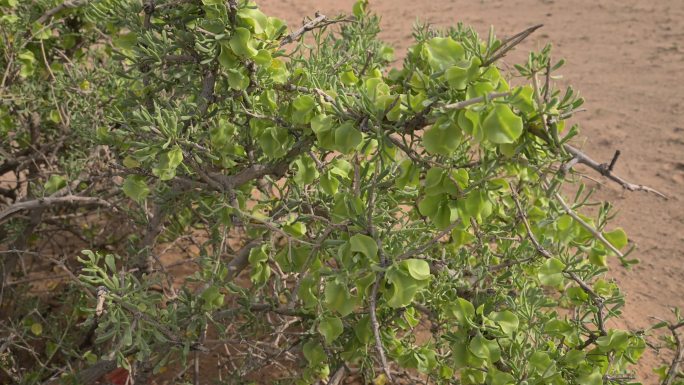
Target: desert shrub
point(348, 213)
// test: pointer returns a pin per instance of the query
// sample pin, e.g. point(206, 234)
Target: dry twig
point(607, 170)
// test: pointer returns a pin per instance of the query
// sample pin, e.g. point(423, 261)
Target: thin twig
point(607, 171)
point(65, 5)
point(376, 327)
point(39, 203)
point(421, 249)
point(277, 169)
point(547, 81)
point(304, 29)
point(376, 285)
point(597, 234)
point(339, 375)
point(479, 99)
point(241, 259)
point(510, 43)
point(678, 357)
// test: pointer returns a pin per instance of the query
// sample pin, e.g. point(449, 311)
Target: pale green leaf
point(330, 328)
point(501, 125)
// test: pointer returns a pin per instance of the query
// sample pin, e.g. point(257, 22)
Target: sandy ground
point(626, 58)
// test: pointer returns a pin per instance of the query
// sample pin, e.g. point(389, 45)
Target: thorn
point(615, 159)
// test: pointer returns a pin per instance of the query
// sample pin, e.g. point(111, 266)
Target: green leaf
point(135, 188)
point(443, 137)
point(407, 278)
point(329, 184)
point(435, 182)
point(314, 353)
point(127, 339)
point(598, 256)
point(125, 41)
point(168, 162)
point(347, 137)
point(506, 320)
point(238, 79)
point(469, 121)
point(485, 349)
point(263, 58)
point(348, 78)
point(303, 107)
point(297, 229)
point(258, 255)
point(408, 174)
point(459, 75)
point(41, 32)
point(258, 259)
point(478, 205)
point(363, 330)
point(242, 44)
point(557, 328)
point(524, 100)
point(253, 18)
point(375, 88)
point(428, 206)
point(27, 60)
point(551, 272)
point(90, 357)
point(322, 126)
point(417, 268)
point(593, 378)
point(365, 245)
point(274, 142)
point(37, 328)
point(110, 262)
point(445, 214)
point(573, 358)
point(501, 125)
point(308, 291)
point(359, 8)
point(497, 377)
point(338, 298)
point(461, 236)
point(227, 58)
point(462, 310)
point(278, 71)
point(54, 184)
point(306, 171)
point(617, 238)
point(330, 328)
point(442, 52)
point(212, 298)
point(616, 340)
point(542, 364)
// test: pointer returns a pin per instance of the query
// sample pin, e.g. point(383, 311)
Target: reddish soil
point(627, 59)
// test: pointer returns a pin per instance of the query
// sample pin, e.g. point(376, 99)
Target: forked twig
point(509, 44)
point(319, 19)
point(607, 170)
